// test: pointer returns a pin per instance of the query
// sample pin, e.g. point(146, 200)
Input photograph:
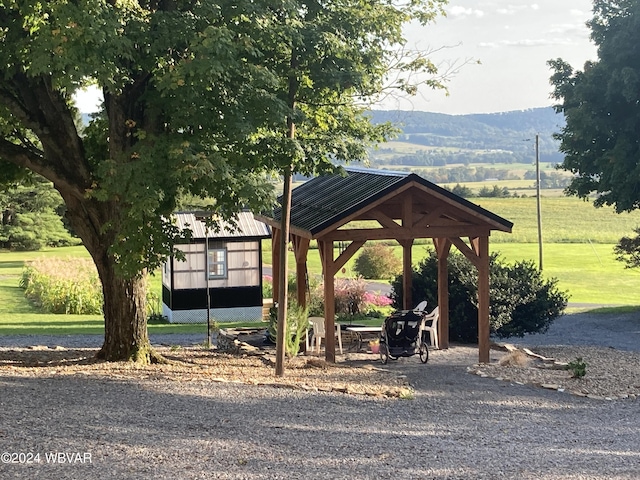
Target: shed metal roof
point(326, 200)
point(246, 226)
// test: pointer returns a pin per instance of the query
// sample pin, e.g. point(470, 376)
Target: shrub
point(377, 261)
point(377, 300)
point(521, 301)
point(296, 325)
point(267, 286)
point(578, 368)
point(315, 298)
point(349, 297)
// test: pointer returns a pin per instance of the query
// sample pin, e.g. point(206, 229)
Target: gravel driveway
point(458, 426)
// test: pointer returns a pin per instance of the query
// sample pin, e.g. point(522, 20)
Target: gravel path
point(458, 426)
point(620, 331)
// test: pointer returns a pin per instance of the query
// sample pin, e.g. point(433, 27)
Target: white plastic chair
point(421, 307)
point(433, 328)
point(317, 324)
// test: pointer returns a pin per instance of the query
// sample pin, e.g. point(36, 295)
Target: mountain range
point(507, 136)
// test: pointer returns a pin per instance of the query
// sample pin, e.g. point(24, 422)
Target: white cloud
point(579, 13)
point(458, 11)
point(535, 6)
point(528, 42)
point(568, 29)
point(511, 9)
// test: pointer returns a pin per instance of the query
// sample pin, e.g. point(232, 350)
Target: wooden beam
point(402, 233)
point(275, 223)
point(384, 220)
point(346, 255)
point(430, 217)
point(407, 211)
point(407, 262)
point(466, 250)
point(275, 262)
point(300, 249)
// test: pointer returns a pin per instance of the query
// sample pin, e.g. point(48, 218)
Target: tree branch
point(39, 108)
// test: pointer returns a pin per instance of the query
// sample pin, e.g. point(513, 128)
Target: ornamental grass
point(66, 286)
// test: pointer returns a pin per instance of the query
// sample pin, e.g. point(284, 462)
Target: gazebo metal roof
point(329, 199)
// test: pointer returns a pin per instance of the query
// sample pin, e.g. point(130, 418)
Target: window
point(217, 263)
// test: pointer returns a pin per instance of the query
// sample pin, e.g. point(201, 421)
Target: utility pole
point(203, 218)
point(538, 201)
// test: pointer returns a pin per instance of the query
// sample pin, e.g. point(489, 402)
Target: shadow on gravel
point(48, 357)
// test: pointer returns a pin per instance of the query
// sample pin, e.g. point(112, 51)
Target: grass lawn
point(578, 245)
point(19, 317)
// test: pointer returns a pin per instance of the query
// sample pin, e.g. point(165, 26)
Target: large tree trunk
point(125, 312)
point(125, 317)
point(63, 160)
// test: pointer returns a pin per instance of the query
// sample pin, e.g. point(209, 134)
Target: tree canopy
point(198, 97)
point(601, 104)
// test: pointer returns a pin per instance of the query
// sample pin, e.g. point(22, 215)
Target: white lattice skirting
point(236, 314)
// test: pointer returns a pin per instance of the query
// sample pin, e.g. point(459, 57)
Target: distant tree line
point(493, 192)
point(441, 157)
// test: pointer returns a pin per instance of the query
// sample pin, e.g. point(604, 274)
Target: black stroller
point(402, 335)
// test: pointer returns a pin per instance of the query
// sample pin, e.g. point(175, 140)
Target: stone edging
point(477, 370)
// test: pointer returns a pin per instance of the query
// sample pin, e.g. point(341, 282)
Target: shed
point(404, 206)
point(221, 276)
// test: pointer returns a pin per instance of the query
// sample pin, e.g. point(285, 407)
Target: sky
point(511, 40)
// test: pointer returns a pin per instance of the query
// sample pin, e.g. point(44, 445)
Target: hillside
point(436, 139)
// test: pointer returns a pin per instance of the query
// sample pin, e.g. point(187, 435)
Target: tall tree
point(183, 100)
point(333, 59)
point(601, 104)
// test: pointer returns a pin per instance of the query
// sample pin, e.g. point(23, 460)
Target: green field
point(578, 242)
point(578, 245)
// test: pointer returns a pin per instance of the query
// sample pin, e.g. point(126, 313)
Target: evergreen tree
point(29, 218)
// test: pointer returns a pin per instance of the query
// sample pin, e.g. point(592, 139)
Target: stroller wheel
point(384, 353)
point(424, 353)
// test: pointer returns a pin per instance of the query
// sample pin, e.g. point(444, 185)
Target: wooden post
point(275, 263)
point(407, 275)
point(282, 280)
point(481, 246)
point(443, 247)
point(301, 248)
point(329, 300)
point(407, 271)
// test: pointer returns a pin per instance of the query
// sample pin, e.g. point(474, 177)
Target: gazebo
point(405, 207)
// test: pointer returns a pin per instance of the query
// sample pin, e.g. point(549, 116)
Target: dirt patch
point(195, 364)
